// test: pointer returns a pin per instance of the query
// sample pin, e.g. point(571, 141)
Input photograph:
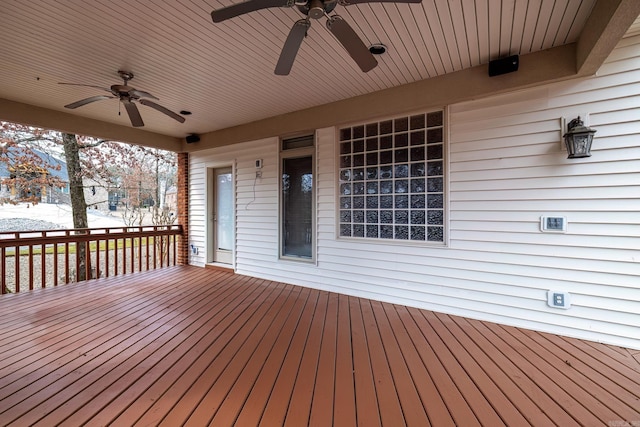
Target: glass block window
point(391, 179)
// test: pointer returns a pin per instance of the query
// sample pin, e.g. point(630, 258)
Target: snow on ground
point(45, 216)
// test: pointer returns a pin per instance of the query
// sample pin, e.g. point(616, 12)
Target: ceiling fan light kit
point(312, 9)
point(128, 96)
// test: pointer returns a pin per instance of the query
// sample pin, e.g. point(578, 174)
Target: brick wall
point(183, 207)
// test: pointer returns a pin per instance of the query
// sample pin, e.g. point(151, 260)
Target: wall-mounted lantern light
point(578, 139)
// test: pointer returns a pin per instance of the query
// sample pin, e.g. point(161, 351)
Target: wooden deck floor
point(192, 346)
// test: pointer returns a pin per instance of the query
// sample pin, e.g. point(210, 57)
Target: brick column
point(183, 207)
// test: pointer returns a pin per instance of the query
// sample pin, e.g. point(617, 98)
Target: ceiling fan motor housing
point(120, 90)
point(316, 9)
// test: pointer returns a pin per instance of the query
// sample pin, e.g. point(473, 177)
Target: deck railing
point(45, 258)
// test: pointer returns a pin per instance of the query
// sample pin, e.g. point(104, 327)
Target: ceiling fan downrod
point(125, 76)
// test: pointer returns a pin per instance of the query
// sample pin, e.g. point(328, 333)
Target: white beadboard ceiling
point(223, 72)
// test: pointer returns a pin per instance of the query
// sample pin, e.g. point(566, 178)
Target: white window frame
point(339, 179)
point(293, 153)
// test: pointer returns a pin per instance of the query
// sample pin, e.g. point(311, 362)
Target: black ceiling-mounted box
point(192, 138)
point(504, 65)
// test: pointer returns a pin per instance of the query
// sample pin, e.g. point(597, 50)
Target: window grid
point(391, 179)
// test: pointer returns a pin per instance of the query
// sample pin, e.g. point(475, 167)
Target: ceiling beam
point(607, 24)
point(535, 69)
point(17, 112)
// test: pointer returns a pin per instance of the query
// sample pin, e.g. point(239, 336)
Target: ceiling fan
point(128, 96)
point(313, 9)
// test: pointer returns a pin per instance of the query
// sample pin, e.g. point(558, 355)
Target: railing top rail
point(15, 238)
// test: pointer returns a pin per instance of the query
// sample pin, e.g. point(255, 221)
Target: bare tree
point(30, 155)
point(78, 203)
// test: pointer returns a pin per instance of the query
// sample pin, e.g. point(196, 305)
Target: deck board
point(597, 399)
point(558, 406)
point(189, 346)
point(506, 394)
point(324, 389)
point(444, 386)
point(367, 409)
point(344, 405)
point(388, 399)
point(413, 410)
point(278, 400)
point(299, 406)
point(169, 386)
point(483, 412)
point(432, 402)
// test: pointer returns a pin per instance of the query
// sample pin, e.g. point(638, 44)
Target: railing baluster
point(87, 260)
point(77, 275)
point(16, 265)
point(139, 240)
point(174, 239)
point(55, 264)
point(146, 250)
point(132, 254)
point(165, 244)
point(106, 256)
point(43, 266)
point(3, 271)
point(30, 267)
point(66, 260)
point(115, 257)
point(97, 259)
point(124, 255)
point(155, 255)
point(161, 251)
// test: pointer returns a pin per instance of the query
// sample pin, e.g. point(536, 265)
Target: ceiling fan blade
point(162, 109)
point(349, 2)
point(87, 101)
point(134, 114)
point(291, 47)
point(142, 94)
point(352, 43)
point(78, 84)
point(237, 9)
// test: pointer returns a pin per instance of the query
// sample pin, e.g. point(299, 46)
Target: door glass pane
point(297, 206)
point(224, 204)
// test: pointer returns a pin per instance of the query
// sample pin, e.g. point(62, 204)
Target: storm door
point(223, 217)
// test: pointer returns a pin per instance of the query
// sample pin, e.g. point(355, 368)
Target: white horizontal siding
point(255, 202)
point(506, 168)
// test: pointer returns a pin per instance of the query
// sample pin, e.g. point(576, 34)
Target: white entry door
point(223, 218)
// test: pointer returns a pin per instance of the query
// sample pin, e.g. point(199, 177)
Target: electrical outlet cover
point(559, 299)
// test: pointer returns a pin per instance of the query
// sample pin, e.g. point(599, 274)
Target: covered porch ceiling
point(437, 54)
